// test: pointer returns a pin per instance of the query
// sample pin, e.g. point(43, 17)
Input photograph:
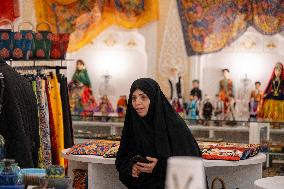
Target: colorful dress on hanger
point(82, 101)
point(273, 101)
point(56, 106)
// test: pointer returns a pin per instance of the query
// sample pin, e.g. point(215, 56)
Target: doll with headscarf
point(105, 106)
point(157, 135)
point(82, 101)
point(273, 101)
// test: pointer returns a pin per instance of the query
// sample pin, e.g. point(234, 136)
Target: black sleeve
point(123, 163)
point(160, 169)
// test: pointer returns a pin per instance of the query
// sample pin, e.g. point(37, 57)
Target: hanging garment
point(43, 123)
point(19, 119)
point(67, 119)
point(56, 104)
point(54, 143)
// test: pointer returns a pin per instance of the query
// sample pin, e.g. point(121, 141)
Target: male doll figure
point(257, 96)
point(226, 88)
point(195, 90)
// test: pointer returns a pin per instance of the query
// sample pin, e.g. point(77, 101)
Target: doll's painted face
point(195, 84)
point(140, 102)
point(277, 72)
point(226, 73)
point(80, 65)
point(257, 86)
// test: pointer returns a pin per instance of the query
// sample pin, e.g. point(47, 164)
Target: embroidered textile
point(209, 26)
point(88, 18)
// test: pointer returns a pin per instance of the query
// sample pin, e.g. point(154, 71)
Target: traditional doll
point(218, 110)
point(177, 106)
point(82, 101)
point(121, 106)
point(175, 83)
point(226, 88)
point(273, 101)
point(105, 106)
point(252, 109)
point(195, 90)
point(192, 108)
point(257, 96)
point(207, 110)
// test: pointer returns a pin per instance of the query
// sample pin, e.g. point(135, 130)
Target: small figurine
point(175, 83)
point(252, 109)
point(218, 110)
point(105, 106)
point(195, 90)
point(121, 106)
point(207, 110)
point(177, 106)
point(257, 96)
point(105, 87)
point(192, 109)
point(226, 88)
point(82, 101)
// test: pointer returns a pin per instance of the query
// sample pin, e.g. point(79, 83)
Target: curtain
point(209, 26)
point(86, 19)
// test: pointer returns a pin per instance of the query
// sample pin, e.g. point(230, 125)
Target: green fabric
point(82, 77)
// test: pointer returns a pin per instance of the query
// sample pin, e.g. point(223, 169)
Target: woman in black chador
point(152, 129)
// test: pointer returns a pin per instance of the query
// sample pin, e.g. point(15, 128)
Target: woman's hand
point(147, 167)
point(135, 171)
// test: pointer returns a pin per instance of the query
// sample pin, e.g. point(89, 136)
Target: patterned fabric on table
point(80, 179)
point(97, 147)
point(87, 19)
point(228, 151)
point(111, 153)
point(209, 26)
point(43, 123)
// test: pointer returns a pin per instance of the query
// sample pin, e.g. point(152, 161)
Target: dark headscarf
point(161, 133)
point(168, 134)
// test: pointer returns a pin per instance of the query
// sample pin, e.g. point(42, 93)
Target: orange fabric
point(88, 19)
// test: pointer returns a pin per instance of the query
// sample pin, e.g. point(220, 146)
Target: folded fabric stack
point(228, 151)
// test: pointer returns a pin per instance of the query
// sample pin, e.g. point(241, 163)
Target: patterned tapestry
point(13, 10)
point(85, 19)
point(209, 26)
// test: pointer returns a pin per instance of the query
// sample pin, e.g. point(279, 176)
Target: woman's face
point(277, 72)
point(140, 102)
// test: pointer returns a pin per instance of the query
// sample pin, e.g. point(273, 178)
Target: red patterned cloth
point(9, 9)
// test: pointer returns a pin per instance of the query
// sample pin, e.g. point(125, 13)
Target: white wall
point(122, 63)
point(257, 63)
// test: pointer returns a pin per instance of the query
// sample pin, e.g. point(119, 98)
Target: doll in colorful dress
point(105, 106)
point(192, 108)
point(273, 101)
point(226, 88)
point(257, 96)
point(252, 109)
point(82, 101)
point(121, 106)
